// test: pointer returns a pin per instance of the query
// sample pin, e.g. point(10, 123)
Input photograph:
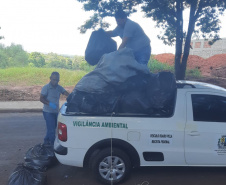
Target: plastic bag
point(24, 175)
point(163, 90)
point(162, 95)
point(135, 102)
point(92, 102)
point(153, 96)
point(99, 44)
point(40, 157)
point(112, 71)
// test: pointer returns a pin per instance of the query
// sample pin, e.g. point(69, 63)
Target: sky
point(52, 26)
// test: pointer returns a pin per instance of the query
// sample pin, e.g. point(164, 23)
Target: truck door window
point(211, 108)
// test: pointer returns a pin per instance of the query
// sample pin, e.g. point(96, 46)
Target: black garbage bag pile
point(32, 172)
point(99, 44)
point(120, 84)
point(24, 175)
point(99, 91)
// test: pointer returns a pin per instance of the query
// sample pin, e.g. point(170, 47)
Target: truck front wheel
point(111, 165)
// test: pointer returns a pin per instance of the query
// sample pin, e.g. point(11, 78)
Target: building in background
point(202, 48)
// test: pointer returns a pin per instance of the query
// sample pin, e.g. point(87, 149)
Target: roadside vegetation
point(15, 56)
point(31, 76)
point(19, 68)
point(155, 66)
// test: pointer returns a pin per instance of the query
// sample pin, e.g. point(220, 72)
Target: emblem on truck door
point(220, 145)
point(222, 142)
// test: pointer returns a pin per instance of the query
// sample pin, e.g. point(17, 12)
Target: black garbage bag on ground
point(98, 91)
point(99, 44)
point(40, 157)
point(24, 175)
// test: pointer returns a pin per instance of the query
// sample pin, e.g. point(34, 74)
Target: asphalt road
point(21, 131)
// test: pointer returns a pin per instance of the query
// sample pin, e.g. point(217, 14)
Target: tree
point(1, 37)
point(168, 15)
point(57, 61)
point(16, 56)
point(3, 57)
point(13, 56)
point(69, 63)
point(37, 59)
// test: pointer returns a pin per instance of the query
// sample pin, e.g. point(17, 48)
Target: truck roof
point(199, 85)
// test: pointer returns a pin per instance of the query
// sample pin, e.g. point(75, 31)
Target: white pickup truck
point(194, 135)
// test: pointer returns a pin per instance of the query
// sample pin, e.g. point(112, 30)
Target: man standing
point(50, 96)
point(132, 36)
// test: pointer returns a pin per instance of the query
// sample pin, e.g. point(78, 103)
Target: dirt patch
point(32, 93)
point(167, 58)
point(219, 72)
point(213, 66)
point(24, 93)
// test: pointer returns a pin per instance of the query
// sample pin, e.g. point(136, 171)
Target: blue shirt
point(137, 38)
point(52, 94)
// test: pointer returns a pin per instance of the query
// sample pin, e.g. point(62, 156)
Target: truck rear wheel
point(111, 166)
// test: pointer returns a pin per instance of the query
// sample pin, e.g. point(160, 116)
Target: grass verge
point(28, 76)
point(155, 66)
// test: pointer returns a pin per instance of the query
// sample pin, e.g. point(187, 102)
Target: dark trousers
point(51, 123)
point(143, 55)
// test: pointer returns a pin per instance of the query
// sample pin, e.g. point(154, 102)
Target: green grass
point(27, 76)
point(155, 66)
point(193, 73)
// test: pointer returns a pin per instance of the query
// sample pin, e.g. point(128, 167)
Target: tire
point(111, 168)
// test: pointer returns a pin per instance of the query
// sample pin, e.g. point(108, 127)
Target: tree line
point(15, 56)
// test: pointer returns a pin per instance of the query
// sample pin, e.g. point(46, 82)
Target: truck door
point(158, 140)
point(205, 131)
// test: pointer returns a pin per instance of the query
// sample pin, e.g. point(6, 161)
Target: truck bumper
point(60, 150)
point(69, 156)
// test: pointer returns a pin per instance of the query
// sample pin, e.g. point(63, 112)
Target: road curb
point(22, 106)
point(19, 110)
